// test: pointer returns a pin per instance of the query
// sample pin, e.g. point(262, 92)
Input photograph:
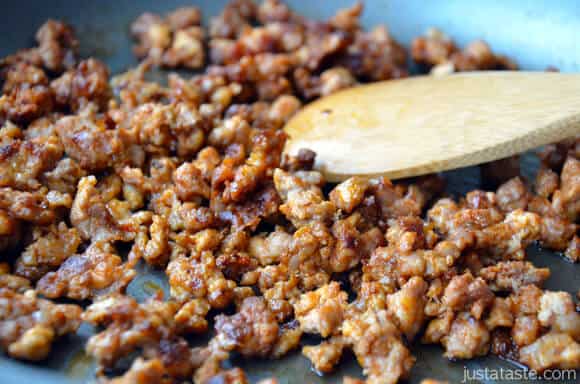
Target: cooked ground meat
point(511, 275)
point(378, 347)
point(438, 52)
point(326, 355)
point(321, 311)
point(97, 271)
point(176, 40)
point(51, 246)
point(189, 176)
point(29, 325)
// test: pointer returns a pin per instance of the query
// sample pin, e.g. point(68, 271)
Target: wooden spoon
point(426, 124)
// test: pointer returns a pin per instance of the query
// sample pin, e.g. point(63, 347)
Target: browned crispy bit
point(559, 347)
point(303, 202)
point(198, 276)
point(268, 249)
point(20, 73)
point(56, 50)
point(465, 292)
point(24, 104)
point(321, 311)
point(438, 52)
point(566, 200)
point(467, 338)
point(29, 325)
point(432, 49)
point(252, 331)
point(95, 272)
point(553, 350)
point(500, 314)
point(375, 55)
point(51, 246)
point(460, 325)
point(511, 275)
point(129, 326)
point(173, 41)
point(88, 141)
point(22, 162)
point(157, 250)
point(378, 347)
point(556, 231)
point(512, 195)
point(33, 207)
point(99, 216)
point(142, 372)
point(191, 316)
point(326, 355)
point(87, 83)
point(407, 307)
point(349, 194)
point(573, 250)
point(554, 155)
point(547, 181)
point(15, 283)
point(289, 336)
point(57, 45)
point(64, 177)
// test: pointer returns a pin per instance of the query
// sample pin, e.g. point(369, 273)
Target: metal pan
point(537, 34)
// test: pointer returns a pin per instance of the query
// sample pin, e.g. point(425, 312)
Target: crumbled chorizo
point(511, 275)
point(95, 272)
point(467, 338)
point(128, 326)
point(349, 194)
point(547, 181)
point(89, 142)
point(558, 312)
point(173, 41)
point(51, 246)
point(87, 83)
point(326, 355)
point(23, 162)
point(321, 311)
point(15, 283)
point(33, 207)
point(190, 176)
point(142, 372)
point(252, 331)
point(567, 199)
point(432, 49)
point(407, 306)
point(512, 195)
point(57, 45)
point(29, 325)
point(378, 347)
point(438, 52)
point(553, 350)
point(199, 277)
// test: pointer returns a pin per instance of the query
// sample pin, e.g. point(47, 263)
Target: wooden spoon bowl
point(425, 124)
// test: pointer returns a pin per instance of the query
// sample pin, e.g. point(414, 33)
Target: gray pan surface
point(536, 34)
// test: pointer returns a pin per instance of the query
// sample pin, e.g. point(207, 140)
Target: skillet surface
point(535, 33)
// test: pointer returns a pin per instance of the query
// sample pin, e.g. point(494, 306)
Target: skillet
point(536, 34)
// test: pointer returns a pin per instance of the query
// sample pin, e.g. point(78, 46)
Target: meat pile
point(98, 174)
